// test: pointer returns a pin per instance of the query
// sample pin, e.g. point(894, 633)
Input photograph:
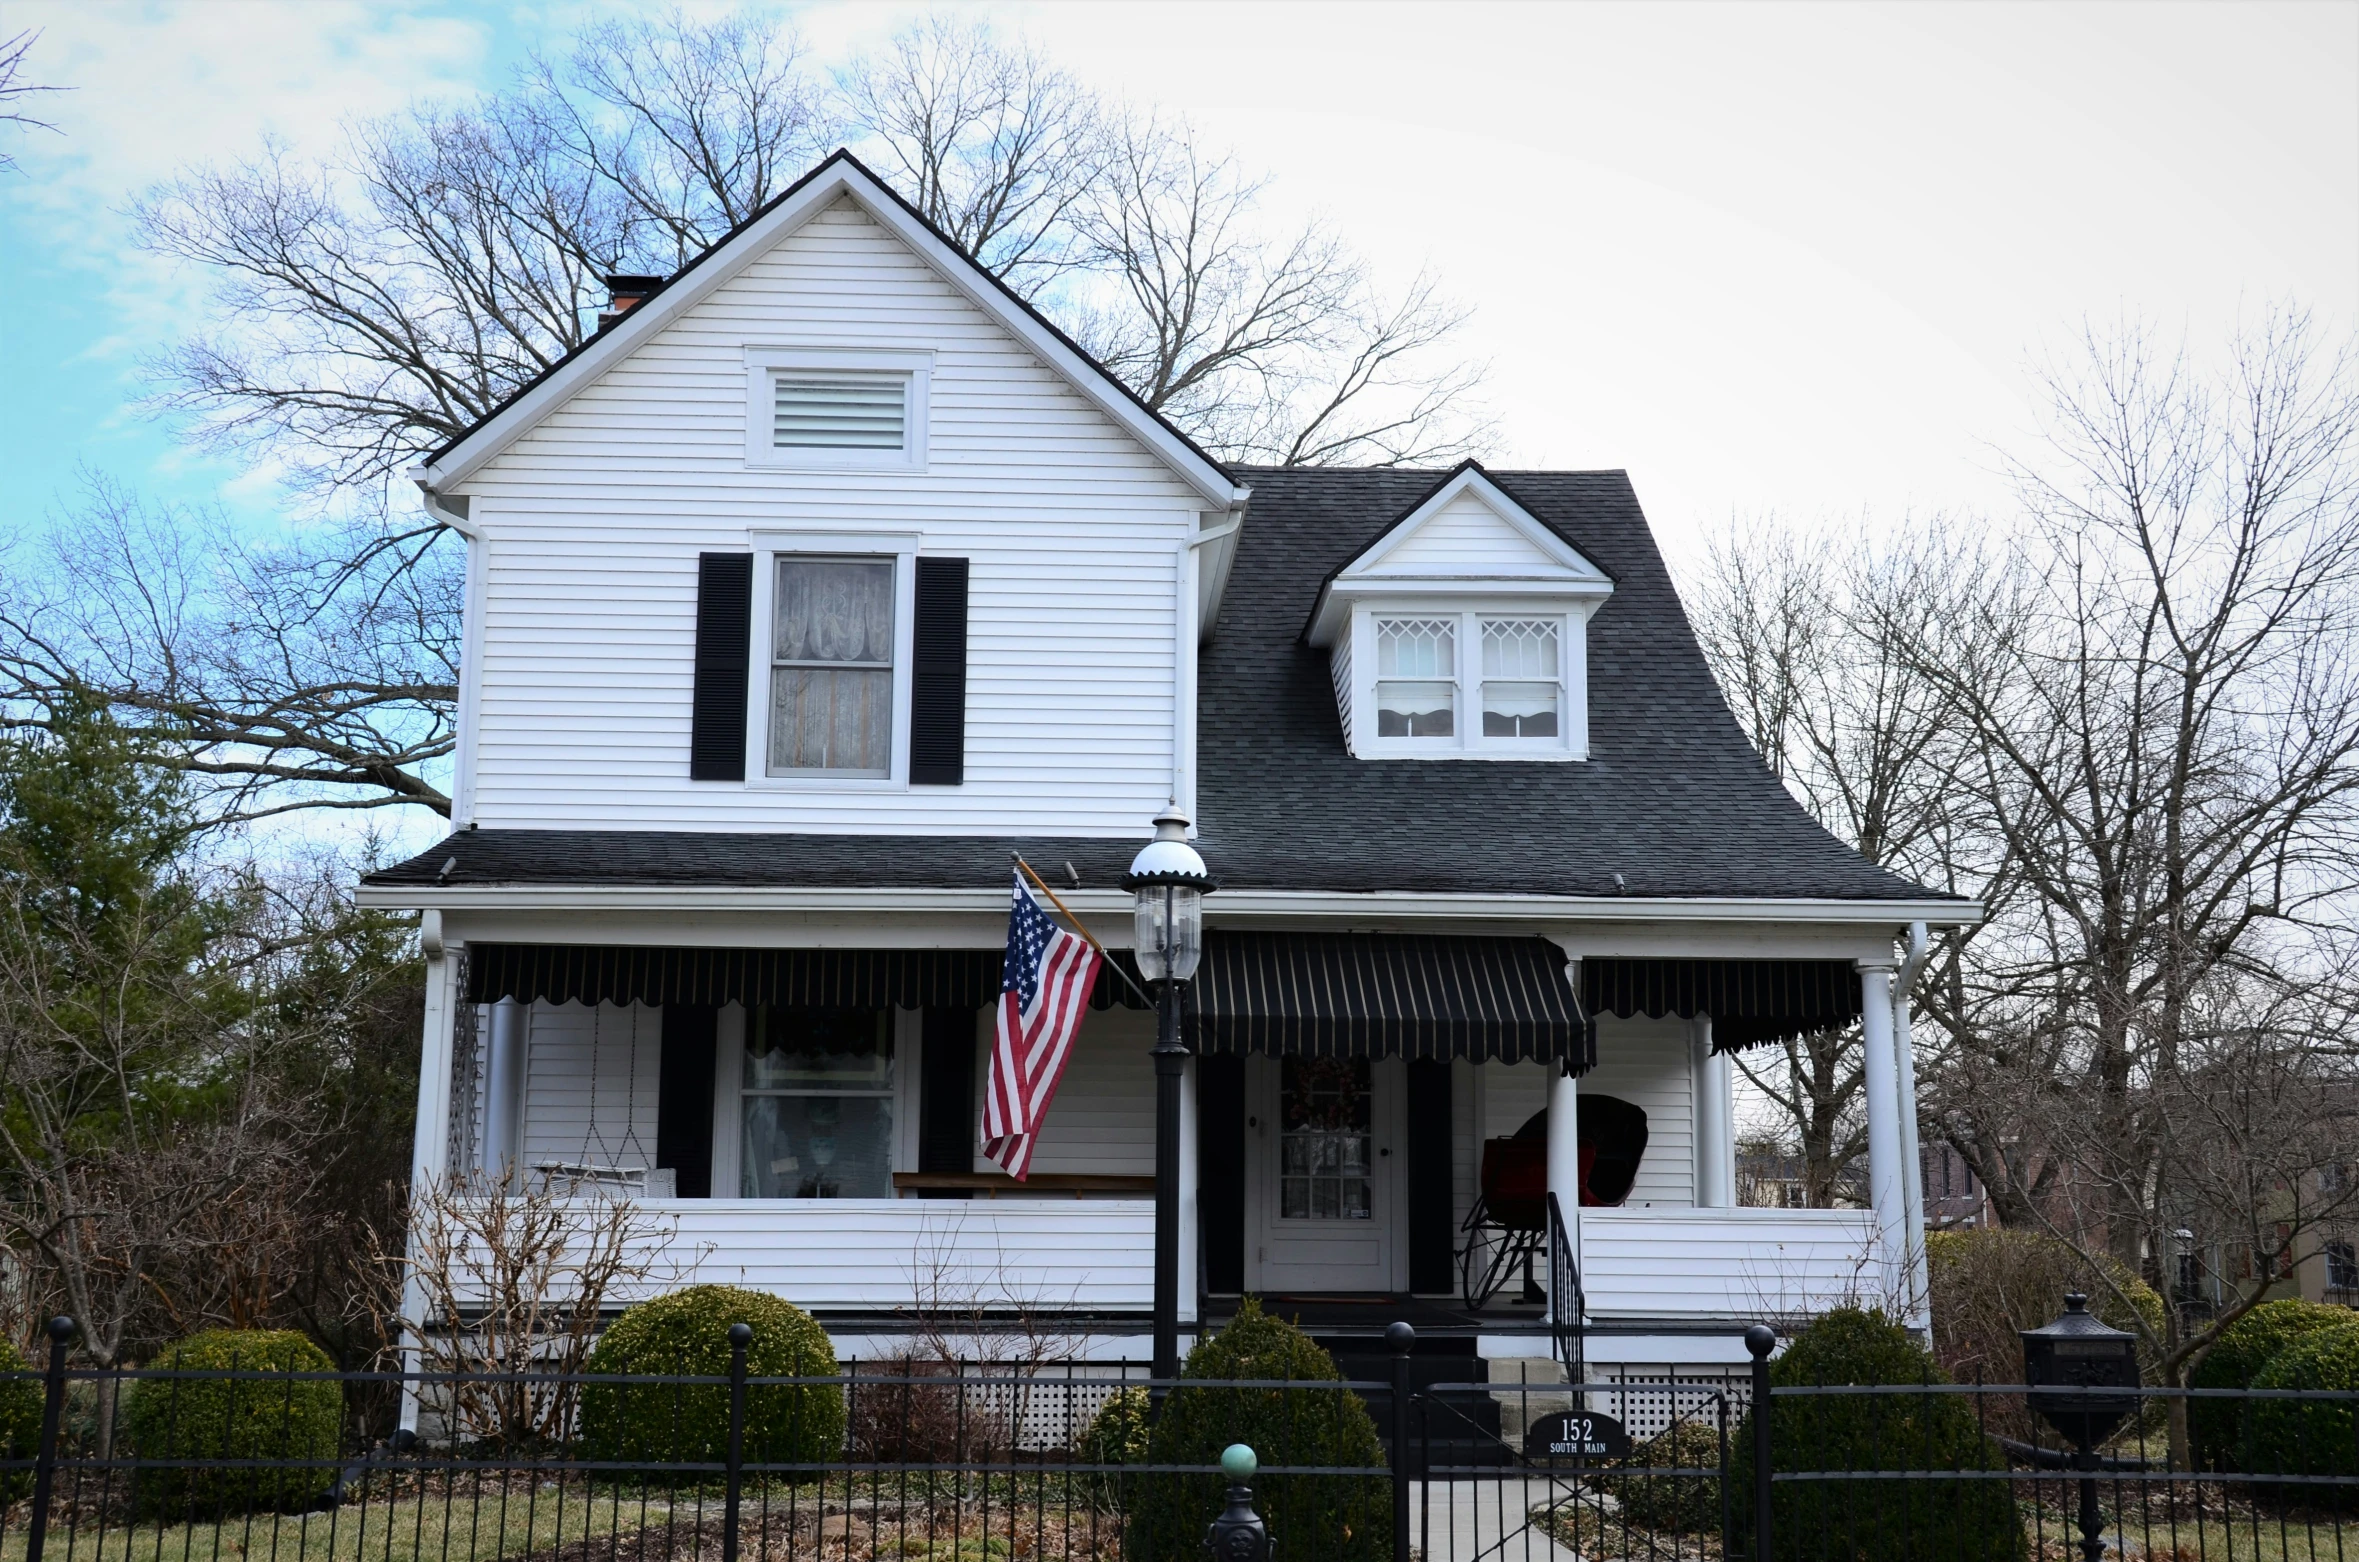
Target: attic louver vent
point(840, 412)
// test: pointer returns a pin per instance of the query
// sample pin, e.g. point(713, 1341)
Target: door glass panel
point(816, 1104)
point(1325, 1153)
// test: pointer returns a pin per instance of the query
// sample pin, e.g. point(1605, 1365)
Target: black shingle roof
point(1671, 798)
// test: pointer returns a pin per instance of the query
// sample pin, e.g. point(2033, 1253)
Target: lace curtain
point(831, 683)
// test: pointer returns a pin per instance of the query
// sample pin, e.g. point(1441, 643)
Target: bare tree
point(317, 671)
point(1805, 635)
point(15, 54)
point(1272, 349)
point(505, 1286)
point(994, 144)
point(2163, 704)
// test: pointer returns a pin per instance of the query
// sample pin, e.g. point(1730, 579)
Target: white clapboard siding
point(1466, 1139)
point(594, 519)
point(1758, 1264)
point(1645, 1062)
point(1103, 1119)
point(590, 1081)
point(1465, 537)
point(1003, 1255)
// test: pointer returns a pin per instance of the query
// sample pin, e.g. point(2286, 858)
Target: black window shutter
point(1220, 1170)
point(1431, 1230)
point(946, 1095)
point(938, 676)
point(684, 1097)
point(724, 642)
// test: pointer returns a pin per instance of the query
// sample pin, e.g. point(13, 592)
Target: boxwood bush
point(2216, 1426)
point(1681, 1504)
point(1312, 1518)
point(2305, 1437)
point(20, 1421)
point(1854, 1521)
point(279, 1417)
point(1117, 1434)
point(686, 1333)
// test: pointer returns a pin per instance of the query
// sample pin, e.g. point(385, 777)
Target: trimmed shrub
point(686, 1333)
point(1681, 1504)
point(1866, 1521)
point(2306, 1437)
point(21, 1398)
point(1312, 1518)
point(2215, 1426)
point(1117, 1434)
point(235, 1418)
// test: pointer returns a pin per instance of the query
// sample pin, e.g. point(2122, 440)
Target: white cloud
point(156, 87)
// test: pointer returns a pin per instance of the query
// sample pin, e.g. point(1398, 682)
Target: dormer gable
point(1461, 632)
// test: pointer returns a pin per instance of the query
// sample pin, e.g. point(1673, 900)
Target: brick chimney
point(622, 292)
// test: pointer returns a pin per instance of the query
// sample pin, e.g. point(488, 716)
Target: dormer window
point(1462, 633)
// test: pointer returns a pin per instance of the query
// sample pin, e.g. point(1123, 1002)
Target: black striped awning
point(1388, 994)
point(1750, 1001)
point(822, 978)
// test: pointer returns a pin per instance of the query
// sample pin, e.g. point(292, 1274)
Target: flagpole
point(1111, 964)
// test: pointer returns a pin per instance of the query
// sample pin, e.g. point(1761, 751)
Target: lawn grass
point(453, 1527)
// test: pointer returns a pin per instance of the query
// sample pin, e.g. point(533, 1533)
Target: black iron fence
point(1086, 1461)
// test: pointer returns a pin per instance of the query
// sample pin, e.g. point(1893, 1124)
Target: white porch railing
point(999, 1255)
point(1725, 1263)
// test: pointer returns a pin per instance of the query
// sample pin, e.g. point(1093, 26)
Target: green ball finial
point(1238, 1463)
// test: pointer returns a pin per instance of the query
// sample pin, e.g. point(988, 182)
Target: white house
point(828, 576)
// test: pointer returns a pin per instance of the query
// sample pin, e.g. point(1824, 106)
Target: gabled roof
point(841, 175)
point(1544, 560)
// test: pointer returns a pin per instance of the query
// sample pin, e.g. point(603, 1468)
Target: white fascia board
point(637, 325)
point(1221, 907)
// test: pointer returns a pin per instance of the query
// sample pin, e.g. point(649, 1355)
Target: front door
point(1322, 1137)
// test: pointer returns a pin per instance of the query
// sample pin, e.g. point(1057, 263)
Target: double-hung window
point(815, 1104)
point(1523, 678)
point(832, 644)
point(1416, 677)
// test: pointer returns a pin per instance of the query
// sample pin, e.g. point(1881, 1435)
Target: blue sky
point(1772, 258)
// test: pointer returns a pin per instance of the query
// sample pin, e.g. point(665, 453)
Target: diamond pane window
point(1521, 687)
point(1416, 677)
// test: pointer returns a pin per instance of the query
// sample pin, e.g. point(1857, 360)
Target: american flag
point(1043, 987)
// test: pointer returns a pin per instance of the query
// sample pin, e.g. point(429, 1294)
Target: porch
point(806, 1122)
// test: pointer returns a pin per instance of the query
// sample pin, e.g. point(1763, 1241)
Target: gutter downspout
point(1912, 1167)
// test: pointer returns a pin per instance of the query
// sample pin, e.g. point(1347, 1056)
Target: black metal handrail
point(1564, 1280)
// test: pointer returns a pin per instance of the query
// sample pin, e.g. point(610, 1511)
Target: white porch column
point(1912, 1170)
point(503, 1088)
point(1886, 1179)
point(1191, 1278)
point(429, 1148)
point(1564, 1161)
point(1715, 1120)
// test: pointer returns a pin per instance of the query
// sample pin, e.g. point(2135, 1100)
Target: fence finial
point(1238, 1535)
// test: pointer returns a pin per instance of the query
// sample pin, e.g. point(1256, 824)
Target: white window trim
point(762, 363)
point(729, 1092)
point(1467, 740)
point(768, 546)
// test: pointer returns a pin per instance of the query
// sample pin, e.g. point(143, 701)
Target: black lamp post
point(1170, 883)
point(2090, 1373)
